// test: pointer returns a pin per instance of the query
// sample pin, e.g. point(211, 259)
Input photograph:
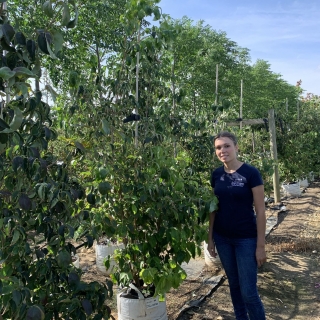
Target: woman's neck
point(232, 166)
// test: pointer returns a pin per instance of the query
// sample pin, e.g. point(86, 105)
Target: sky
point(286, 33)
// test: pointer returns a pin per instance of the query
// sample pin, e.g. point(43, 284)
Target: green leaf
point(35, 313)
point(79, 146)
point(165, 174)
point(54, 202)
point(213, 206)
point(24, 202)
point(37, 68)
point(25, 56)
point(179, 185)
point(11, 82)
point(57, 39)
point(141, 14)
point(181, 257)
point(6, 46)
point(73, 79)
point(16, 236)
point(22, 88)
point(148, 275)
point(192, 249)
point(53, 93)
point(175, 281)
point(104, 187)
point(157, 14)
point(65, 15)
point(89, 241)
point(64, 259)
point(103, 172)
point(16, 121)
point(106, 126)
point(22, 72)
point(47, 8)
point(73, 278)
point(71, 24)
point(87, 306)
point(42, 43)
point(51, 53)
point(163, 285)
point(8, 32)
point(175, 235)
point(125, 277)
point(31, 48)
point(6, 73)
point(4, 138)
point(20, 39)
point(134, 209)
point(42, 190)
point(7, 289)
point(16, 296)
point(172, 264)
point(183, 274)
point(3, 124)
point(152, 241)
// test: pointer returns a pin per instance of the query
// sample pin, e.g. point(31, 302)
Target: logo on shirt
point(237, 180)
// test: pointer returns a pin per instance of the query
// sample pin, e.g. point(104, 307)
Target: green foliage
point(40, 203)
point(295, 160)
point(158, 216)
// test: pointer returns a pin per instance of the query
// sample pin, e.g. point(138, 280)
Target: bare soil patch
point(289, 283)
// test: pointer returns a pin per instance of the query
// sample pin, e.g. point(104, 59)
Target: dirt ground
point(289, 283)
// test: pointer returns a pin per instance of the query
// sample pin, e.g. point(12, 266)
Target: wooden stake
point(241, 92)
point(253, 142)
point(174, 102)
point(137, 93)
point(274, 155)
point(217, 80)
point(4, 7)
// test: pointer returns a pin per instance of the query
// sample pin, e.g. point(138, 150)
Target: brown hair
point(226, 134)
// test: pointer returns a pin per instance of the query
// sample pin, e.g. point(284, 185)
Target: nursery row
point(106, 132)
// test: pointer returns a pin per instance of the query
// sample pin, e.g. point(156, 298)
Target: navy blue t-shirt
point(235, 217)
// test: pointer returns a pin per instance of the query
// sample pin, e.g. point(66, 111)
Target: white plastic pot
point(210, 261)
point(141, 308)
point(102, 253)
point(292, 189)
point(304, 183)
point(76, 261)
point(311, 176)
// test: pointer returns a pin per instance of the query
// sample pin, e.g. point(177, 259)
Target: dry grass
point(307, 241)
point(302, 245)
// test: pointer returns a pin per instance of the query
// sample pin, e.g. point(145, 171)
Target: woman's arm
point(258, 198)
point(211, 246)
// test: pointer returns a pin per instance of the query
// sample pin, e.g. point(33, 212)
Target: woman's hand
point(258, 198)
point(261, 255)
point(212, 249)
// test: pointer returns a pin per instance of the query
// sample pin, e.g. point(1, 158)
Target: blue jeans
point(238, 258)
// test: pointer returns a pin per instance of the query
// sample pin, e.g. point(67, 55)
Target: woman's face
point(226, 150)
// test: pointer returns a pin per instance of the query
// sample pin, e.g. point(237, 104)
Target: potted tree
point(158, 211)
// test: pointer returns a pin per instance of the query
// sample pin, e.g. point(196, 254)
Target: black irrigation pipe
point(199, 302)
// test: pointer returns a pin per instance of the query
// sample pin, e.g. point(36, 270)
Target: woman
point(237, 230)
